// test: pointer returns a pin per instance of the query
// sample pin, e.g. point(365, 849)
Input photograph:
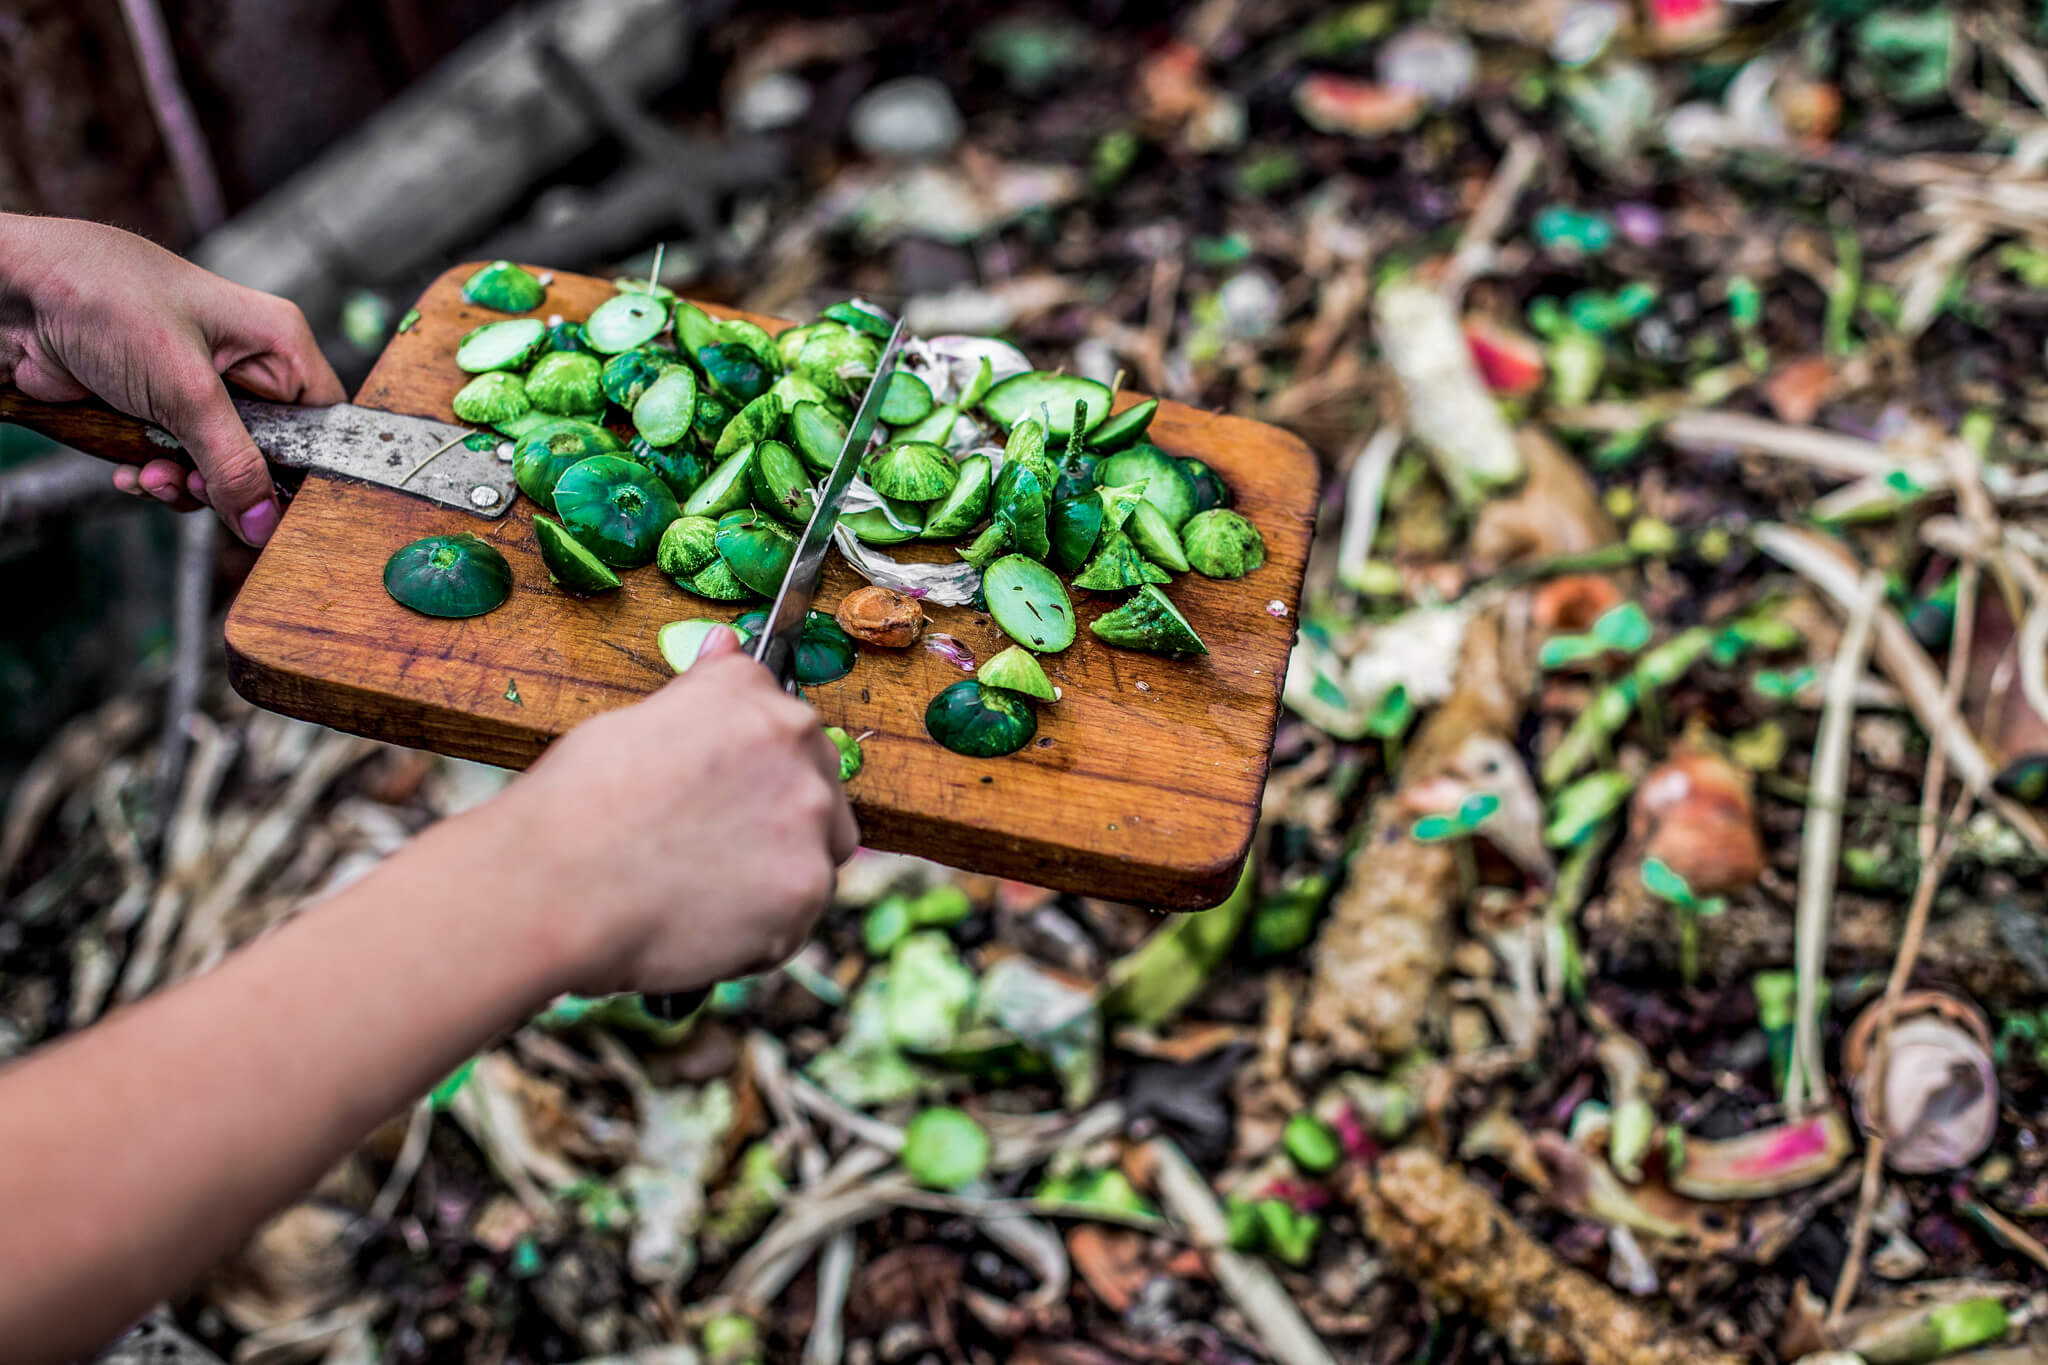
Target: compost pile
point(1642, 955)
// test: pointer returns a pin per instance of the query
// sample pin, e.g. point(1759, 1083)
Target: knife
point(414, 455)
point(775, 646)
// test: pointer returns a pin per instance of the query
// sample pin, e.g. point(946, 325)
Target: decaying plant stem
point(1453, 1239)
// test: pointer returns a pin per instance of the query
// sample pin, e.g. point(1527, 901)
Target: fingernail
point(258, 522)
point(196, 482)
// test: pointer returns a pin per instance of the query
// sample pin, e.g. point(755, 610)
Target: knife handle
point(93, 427)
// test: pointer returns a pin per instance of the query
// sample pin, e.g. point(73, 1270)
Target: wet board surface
point(1144, 781)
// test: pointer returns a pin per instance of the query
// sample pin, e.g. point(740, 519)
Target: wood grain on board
point(1143, 784)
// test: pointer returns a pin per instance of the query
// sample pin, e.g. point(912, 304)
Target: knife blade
point(775, 646)
point(414, 455)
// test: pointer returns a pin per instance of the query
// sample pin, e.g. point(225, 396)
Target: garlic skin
point(1940, 1087)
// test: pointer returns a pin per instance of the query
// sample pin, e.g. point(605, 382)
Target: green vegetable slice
point(794, 388)
point(1149, 531)
point(937, 427)
point(617, 508)
point(1117, 564)
point(944, 1149)
point(450, 576)
point(1167, 485)
point(752, 424)
point(1210, 489)
point(713, 414)
point(861, 316)
point(819, 435)
point(568, 383)
point(724, 489)
point(756, 549)
point(1073, 527)
point(566, 336)
point(717, 582)
point(506, 345)
point(780, 483)
point(735, 370)
point(695, 328)
point(625, 321)
point(909, 399)
point(1048, 397)
point(978, 387)
point(849, 752)
point(1149, 622)
point(569, 560)
point(512, 428)
point(686, 546)
point(1016, 669)
point(1030, 603)
point(1020, 518)
point(873, 527)
point(912, 471)
point(1222, 544)
point(491, 398)
point(639, 284)
point(627, 375)
point(789, 342)
point(681, 641)
point(961, 510)
point(824, 652)
point(1125, 427)
point(1026, 448)
point(668, 408)
point(678, 466)
point(505, 287)
point(840, 362)
point(1118, 502)
point(980, 722)
point(544, 454)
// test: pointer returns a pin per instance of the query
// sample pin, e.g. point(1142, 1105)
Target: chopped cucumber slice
point(1030, 603)
point(724, 489)
point(506, 345)
point(908, 400)
point(1125, 427)
point(961, 510)
point(1017, 669)
point(569, 561)
point(1147, 528)
point(625, 321)
point(1048, 397)
point(681, 641)
point(667, 408)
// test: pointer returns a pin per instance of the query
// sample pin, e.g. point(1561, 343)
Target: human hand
point(698, 830)
point(90, 309)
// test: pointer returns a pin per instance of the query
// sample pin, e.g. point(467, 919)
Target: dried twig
point(1362, 497)
point(1476, 248)
point(1820, 845)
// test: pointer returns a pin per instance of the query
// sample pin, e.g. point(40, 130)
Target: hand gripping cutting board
point(1143, 784)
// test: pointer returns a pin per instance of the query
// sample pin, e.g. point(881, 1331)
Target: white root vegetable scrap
point(1449, 408)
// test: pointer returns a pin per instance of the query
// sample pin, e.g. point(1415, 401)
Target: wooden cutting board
point(1143, 784)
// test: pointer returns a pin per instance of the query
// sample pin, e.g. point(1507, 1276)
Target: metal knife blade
point(412, 454)
point(776, 645)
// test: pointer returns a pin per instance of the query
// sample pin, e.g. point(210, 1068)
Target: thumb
point(237, 480)
point(718, 642)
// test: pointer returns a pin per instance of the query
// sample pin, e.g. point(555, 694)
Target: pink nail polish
point(259, 522)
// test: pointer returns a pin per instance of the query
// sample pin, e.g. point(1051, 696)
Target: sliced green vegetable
point(686, 546)
point(682, 641)
point(795, 388)
point(1026, 448)
point(912, 471)
point(873, 526)
point(695, 328)
point(512, 428)
point(626, 375)
point(668, 408)
point(780, 483)
point(1125, 427)
point(490, 399)
point(617, 508)
point(1074, 526)
point(1210, 490)
point(908, 399)
point(789, 342)
point(840, 362)
point(451, 576)
point(568, 383)
point(569, 561)
point(713, 413)
point(717, 581)
point(1155, 539)
point(819, 435)
point(625, 321)
point(544, 454)
point(861, 316)
point(1048, 397)
point(566, 336)
point(824, 652)
point(1016, 669)
point(756, 422)
point(1167, 485)
point(961, 510)
point(505, 287)
point(1149, 622)
point(735, 370)
point(937, 427)
point(1020, 518)
point(506, 345)
point(1222, 544)
point(1118, 502)
point(724, 489)
point(1030, 603)
point(980, 722)
point(756, 549)
point(1117, 564)
point(944, 1149)
point(738, 331)
point(640, 284)
point(678, 466)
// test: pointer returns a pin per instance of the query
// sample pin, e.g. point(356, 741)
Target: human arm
point(90, 309)
point(688, 839)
